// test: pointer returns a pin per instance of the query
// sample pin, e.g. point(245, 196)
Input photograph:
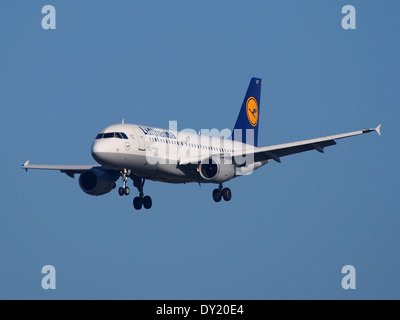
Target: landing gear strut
point(124, 190)
point(142, 200)
point(222, 192)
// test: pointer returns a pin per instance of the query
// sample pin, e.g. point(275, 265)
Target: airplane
point(146, 153)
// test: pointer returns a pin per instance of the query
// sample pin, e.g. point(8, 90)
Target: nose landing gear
point(124, 190)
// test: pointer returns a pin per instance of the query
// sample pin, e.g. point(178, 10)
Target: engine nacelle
point(215, 170)
point(97, 182)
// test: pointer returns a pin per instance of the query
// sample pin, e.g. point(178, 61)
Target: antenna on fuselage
point(123, 120)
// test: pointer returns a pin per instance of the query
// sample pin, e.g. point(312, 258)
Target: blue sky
point(290, 227)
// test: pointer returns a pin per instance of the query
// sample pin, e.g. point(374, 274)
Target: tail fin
point(246, 127)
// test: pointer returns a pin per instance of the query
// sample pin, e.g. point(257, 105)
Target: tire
point(127, 191)
point(227, 194)
point(137, 203)
point(216, 195)
point(147, 202)
point(121, 191)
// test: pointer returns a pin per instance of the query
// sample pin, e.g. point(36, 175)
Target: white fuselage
point(158, 154)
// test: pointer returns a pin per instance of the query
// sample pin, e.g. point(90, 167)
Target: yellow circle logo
point(252, 111)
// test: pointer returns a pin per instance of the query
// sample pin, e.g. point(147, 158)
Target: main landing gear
point(222, 192)
point(141, 200)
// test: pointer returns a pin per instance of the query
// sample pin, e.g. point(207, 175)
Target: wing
point(278, 151)
point(67, 169)
point(282, 150)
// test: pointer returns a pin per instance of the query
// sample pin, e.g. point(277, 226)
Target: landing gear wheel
point(226, 194)
point(141, 201)
point(124, 190)
point(217, 195)
point(147, 202)
point(137, 203)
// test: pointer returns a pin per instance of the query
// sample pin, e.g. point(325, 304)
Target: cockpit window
point(118, 135)
point(108, 135)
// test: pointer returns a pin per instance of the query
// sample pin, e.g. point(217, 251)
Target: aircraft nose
point(95, 147)
point(98, 151)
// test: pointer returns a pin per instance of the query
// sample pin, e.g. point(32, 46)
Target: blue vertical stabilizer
point(246, 127)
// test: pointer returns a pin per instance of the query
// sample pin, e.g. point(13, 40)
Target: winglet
point(25, 165)
point(378, 129)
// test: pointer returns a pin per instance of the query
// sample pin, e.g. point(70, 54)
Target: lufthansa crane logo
point(252, 111)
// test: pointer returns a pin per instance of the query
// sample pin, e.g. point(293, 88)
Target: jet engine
point(97, 182)
point(215, 169)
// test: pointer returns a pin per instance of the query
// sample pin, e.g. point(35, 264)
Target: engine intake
point(215, 170)
point(97, 182)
